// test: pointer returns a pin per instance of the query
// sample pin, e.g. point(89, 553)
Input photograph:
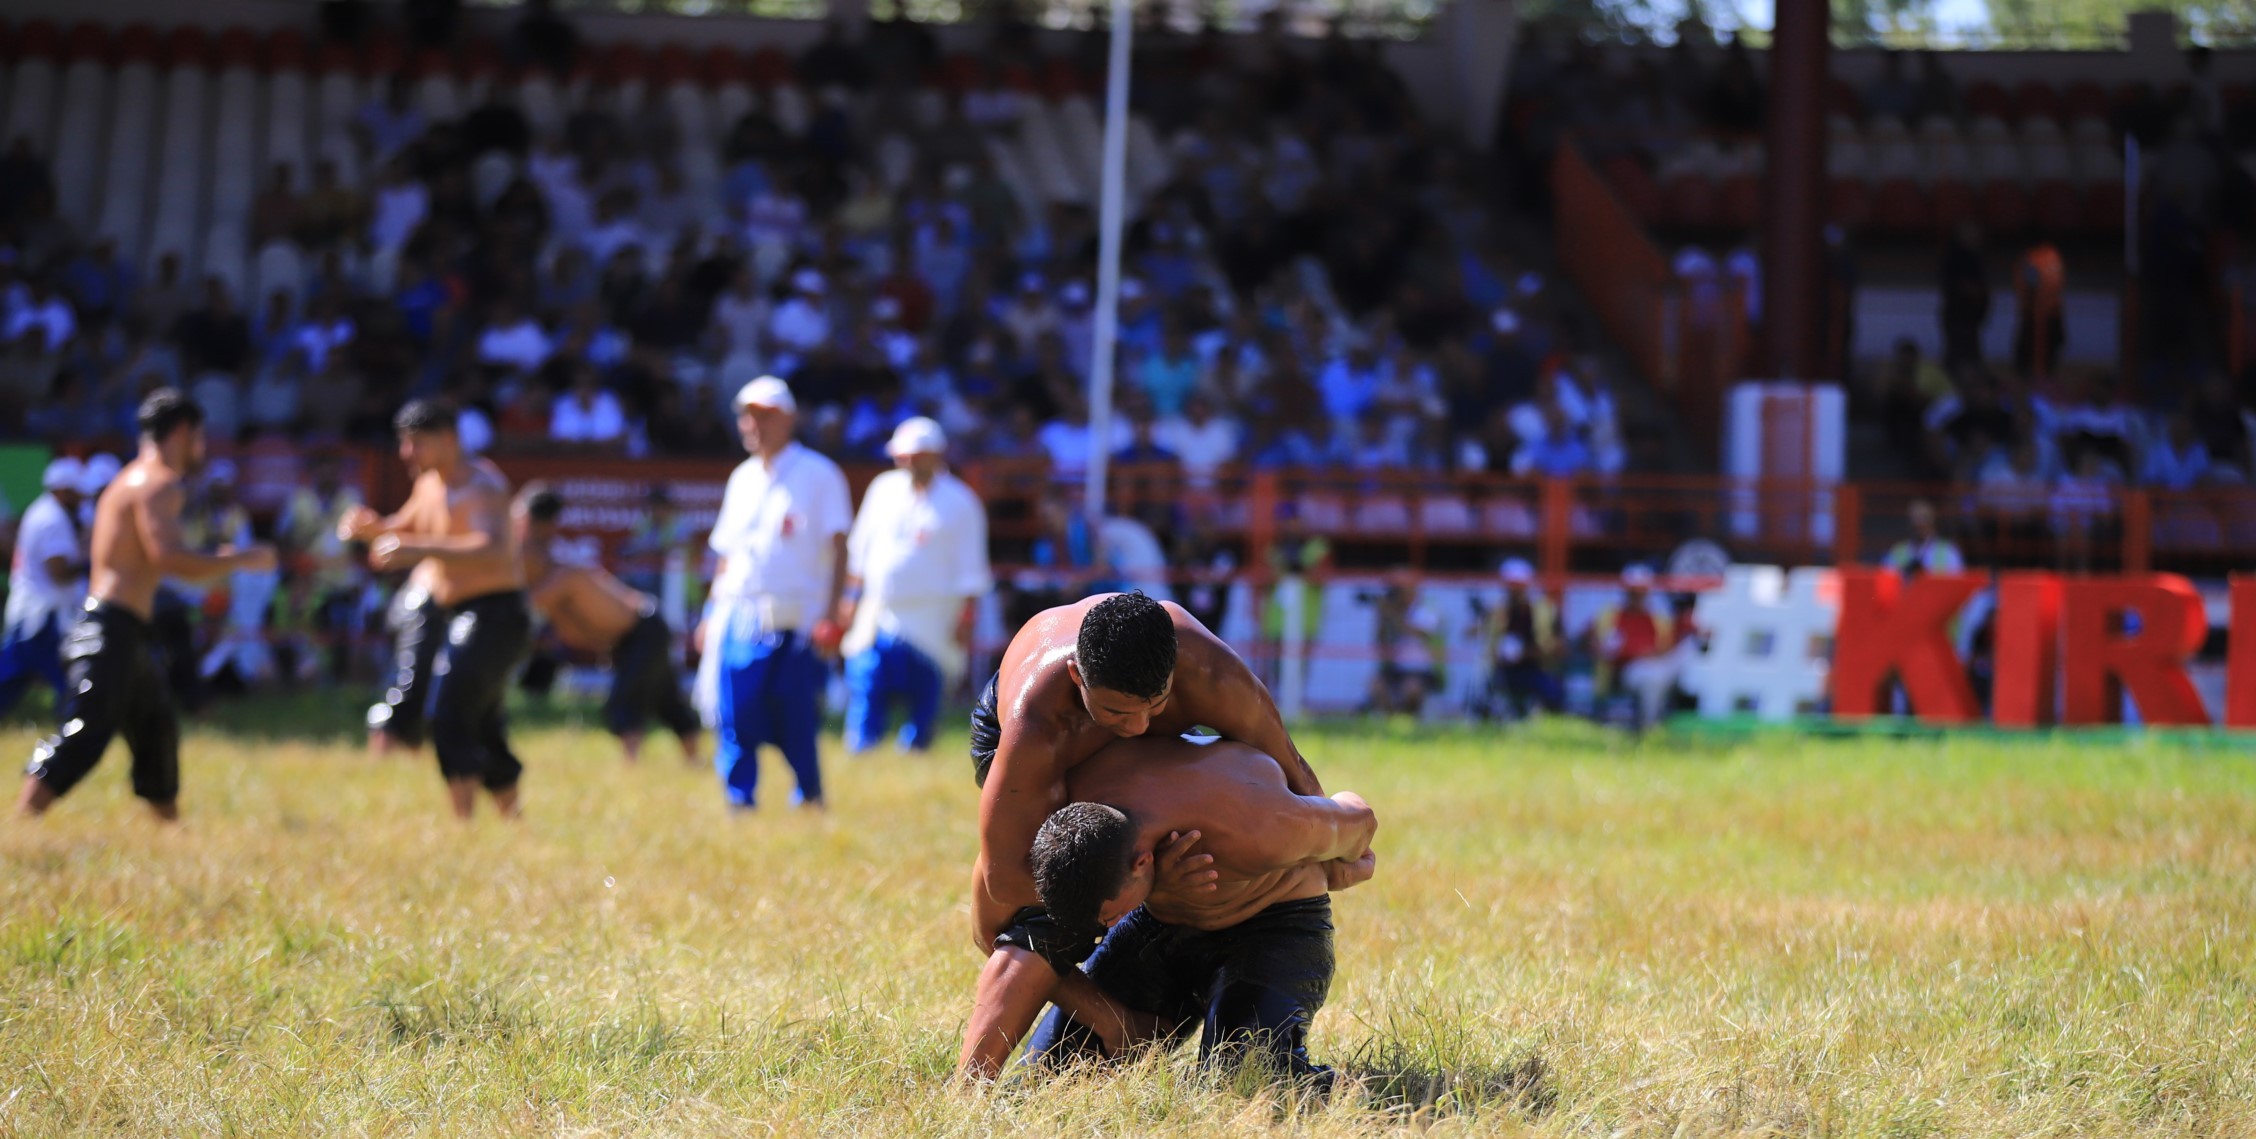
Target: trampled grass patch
point(1571, 933)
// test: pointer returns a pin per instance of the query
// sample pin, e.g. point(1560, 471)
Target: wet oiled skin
point(1232, 794)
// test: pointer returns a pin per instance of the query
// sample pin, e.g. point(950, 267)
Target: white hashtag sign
point(1770, 642)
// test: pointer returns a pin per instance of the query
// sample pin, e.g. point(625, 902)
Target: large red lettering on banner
point(2027, 640)
point(1888, 626)
point(2240, 664)
point(2150, 663)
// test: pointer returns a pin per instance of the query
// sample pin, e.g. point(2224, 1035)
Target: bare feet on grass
point(35, 798)
point(463, 795)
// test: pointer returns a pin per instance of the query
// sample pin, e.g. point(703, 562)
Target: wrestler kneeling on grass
point(1247, 963)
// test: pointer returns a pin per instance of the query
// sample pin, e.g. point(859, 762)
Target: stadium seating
point(131, 139)
point(180, 222)
point(31, 87)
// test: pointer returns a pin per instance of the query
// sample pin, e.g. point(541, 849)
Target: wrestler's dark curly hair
point(424, 416)
point(1081, 858)
point(540, 502)
point(1127, 644)
point(166, 410)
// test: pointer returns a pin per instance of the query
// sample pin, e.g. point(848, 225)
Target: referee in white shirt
point(916, 568)
point(46, 583)
point(781, 538)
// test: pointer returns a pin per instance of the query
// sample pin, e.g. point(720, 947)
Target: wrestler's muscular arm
point(1226, 696)
point(1024, 786)
point(480, 521)
point(360, 524)
point(158, 517)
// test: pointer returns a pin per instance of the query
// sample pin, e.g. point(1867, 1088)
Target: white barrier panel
point(1770, 642)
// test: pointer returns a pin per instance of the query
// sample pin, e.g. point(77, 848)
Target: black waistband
point(111, 614)
point(501, 597)
point(1321, 903)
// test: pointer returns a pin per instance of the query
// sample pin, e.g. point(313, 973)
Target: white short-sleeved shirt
point(776, 530)
point(918, 555)
point(908, 545)
point(47, 531)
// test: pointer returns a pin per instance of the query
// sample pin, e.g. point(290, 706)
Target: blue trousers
point(875, 677)
point(28, 654)
point(770, 693)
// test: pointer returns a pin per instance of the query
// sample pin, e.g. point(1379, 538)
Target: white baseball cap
point(63, 473)
point(1637, 576)
point(100, 469)
point(807, 281)
point(918, 436)
point(767, 391)
point(1505, 321)
point(220, 471)
point(1517, 571)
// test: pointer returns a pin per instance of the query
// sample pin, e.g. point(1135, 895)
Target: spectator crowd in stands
point(1318, 284)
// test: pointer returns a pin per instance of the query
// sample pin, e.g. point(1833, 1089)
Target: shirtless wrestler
point(1074, 679)
point(596, 613)
point(116, 686)
point(1248, 962)
point(457, 516)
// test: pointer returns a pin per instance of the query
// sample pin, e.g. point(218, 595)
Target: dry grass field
point(1570, 934)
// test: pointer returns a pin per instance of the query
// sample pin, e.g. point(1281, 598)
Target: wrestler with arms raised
point(1249, 961)
point(1076, 678)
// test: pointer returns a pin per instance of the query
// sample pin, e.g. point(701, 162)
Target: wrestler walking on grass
point(457, 520)
point(116, 686)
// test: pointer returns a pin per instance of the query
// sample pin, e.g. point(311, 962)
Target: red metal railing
point(1465, 524)
point(1690, 345)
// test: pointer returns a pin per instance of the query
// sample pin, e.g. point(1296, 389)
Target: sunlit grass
point(1569, 934)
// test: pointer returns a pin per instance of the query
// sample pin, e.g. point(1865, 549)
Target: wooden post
point(1848, 525)
point(1558, 515)
point(2138, 531)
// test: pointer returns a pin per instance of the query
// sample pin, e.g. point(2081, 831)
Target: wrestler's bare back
point(590, 610)
point(1047, 731)
point(1235, 797)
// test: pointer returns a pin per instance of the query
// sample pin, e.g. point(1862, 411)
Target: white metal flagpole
point(1112, 206)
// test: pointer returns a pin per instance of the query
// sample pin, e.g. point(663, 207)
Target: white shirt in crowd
point(599, 420)
point(799, 325)
point(610, 237)
point(47, 531)
point(318, 340)
point(1068, 444)
point(1133, 553)
point(474, 429)
point(919, 554)
point(55, 316)
point(741, 319)
point(523, 345)
point(398, 210)
point(1203, 447)
point(776, 532)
